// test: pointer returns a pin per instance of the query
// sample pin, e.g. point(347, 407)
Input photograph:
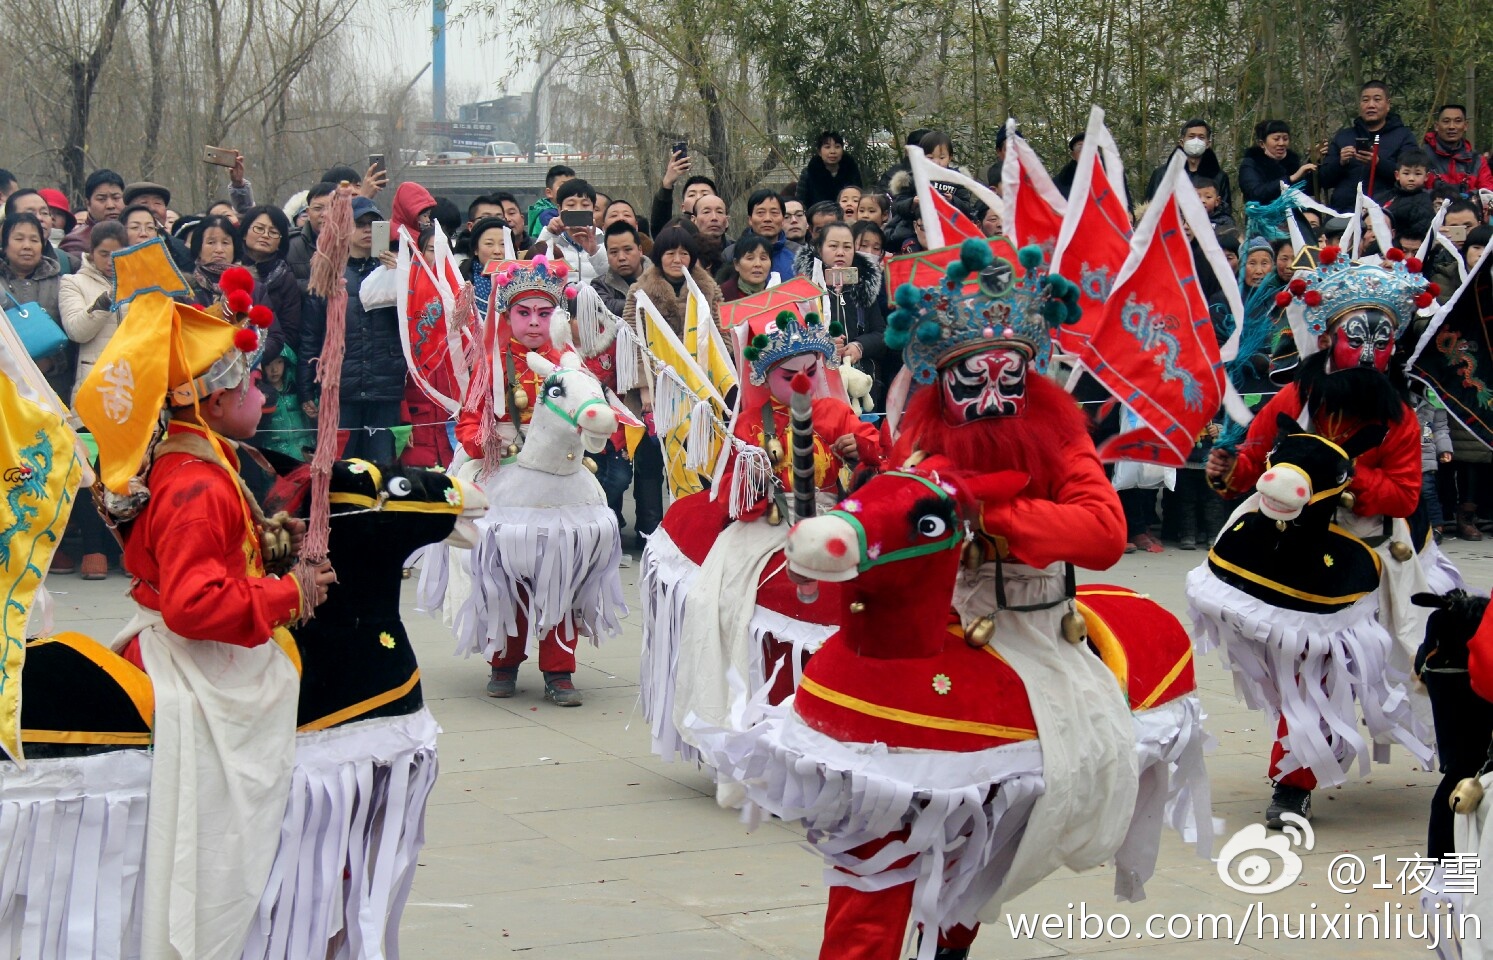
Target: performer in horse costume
point(545, 570)
point(945, 763)
point(716, 560)
point(166, 401)
point(1307, 636)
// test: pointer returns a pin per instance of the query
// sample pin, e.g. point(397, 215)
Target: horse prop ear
point(540, 365)
point(1366, 439)
point(1285, 425)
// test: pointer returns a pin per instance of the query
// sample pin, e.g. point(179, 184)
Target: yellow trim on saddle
point(135, 684)
point(1110, 649)
point(1213, 557)
point(357, 709)
point(395, 506)
point(285, 640)
point(914, 719)
point(89, 738)
point(1166, 681)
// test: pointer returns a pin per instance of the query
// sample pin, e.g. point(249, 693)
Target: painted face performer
point(166, 402)
point(544, 571)
point(1309, 636)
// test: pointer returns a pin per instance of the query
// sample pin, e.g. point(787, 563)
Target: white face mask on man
point(1194, 146)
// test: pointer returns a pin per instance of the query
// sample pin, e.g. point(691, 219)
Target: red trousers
point(1302, 778)
point(873, 926)
point(553, 657)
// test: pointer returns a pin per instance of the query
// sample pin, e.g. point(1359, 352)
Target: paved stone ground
point(555, 834)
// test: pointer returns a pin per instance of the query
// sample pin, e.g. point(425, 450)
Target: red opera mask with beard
point(1364, 338)
point(988, 384)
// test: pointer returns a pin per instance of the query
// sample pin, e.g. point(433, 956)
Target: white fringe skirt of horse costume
point(1321, 670)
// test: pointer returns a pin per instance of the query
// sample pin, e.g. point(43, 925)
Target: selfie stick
point(1373, 165)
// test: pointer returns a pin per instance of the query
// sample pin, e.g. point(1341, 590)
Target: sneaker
point(1187, 543)
point(1288, 799)
point(1146, 543)
point(503, 683)
point(95, 566)
point(560, 691)
point(626, 563)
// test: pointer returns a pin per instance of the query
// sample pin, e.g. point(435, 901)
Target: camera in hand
point(681, 147)
point(842, 276)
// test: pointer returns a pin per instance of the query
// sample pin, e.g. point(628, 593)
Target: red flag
point(1034, 206)
point(1154, 348)
point(1095, 236)
point(956, 226)
point(424, 332)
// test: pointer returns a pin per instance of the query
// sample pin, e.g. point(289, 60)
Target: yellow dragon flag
point(39, 476)
point(702, 338)
point(676, 394)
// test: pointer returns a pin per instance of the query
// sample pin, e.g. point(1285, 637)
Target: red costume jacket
point(1386, 479)
point(194, 555)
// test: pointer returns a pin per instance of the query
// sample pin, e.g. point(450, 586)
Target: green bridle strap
point(574, 419)
point(955, 537)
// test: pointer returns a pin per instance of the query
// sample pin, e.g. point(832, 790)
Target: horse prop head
point(1305, 472)
point(571, 400)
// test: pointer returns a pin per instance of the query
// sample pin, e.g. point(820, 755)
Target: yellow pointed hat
point(162, 348)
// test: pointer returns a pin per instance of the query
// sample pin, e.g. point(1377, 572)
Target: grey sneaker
point(503, 683)
point(1288, 799)
point(560, 691)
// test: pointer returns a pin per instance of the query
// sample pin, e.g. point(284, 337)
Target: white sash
point(224, 746)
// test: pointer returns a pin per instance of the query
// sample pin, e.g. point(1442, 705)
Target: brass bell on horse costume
point(1401, 551)
point(1347, 500)
point(972, 556)
point(1467, 796)
point(511, 450)
point(1075, 627)
point(979, 633)
point(520, 398)
point(775, 451)
point(774, 515)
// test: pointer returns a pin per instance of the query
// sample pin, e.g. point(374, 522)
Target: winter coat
point(670, 305)
point(89, 328)
point(298, 254)
point(862, 315)
point(1343, 179)
point(373, 367)
point(1463, 168)
point(410, 200)
point(783, 253)
point(283, 427)
point(1064, 179)
point(613, 289)
point(816, 183)
point(585, 267)
point(1208, 166)
point(43, 287)
point(731, 290)
point(1260, 175)
point(275, 286)
point(1435, 432)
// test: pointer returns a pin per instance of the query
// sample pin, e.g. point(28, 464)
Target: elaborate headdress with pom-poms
point(514, 280)
point(789, 336)
point(235, 306)
point(1392, 285)
point(980, 304)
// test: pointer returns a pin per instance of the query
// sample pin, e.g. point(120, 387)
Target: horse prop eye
point(555, 391)
point(932, 526)
point(399, 486)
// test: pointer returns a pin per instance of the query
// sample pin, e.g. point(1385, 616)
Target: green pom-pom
point(813, 319)
point(908, 296)
point(900, 320)
point(783, 319)
point(836, 328)
point(929, 331)
point(760, 341)
point(1030, 257)
point(751, 353)
point(957, 272)
point(975, 255)
point(897, 339)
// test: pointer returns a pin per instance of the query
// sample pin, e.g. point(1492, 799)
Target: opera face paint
point(1364, 338)
point(780, 377)
point(989, 384)
point(530, 320)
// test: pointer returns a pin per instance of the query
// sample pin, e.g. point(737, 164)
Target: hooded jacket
point(1208, 166)
point(1463, 168)
point(1260, 174)
point(85, 326)
point(1343, 178)
point(410, 200)
point(816, 183)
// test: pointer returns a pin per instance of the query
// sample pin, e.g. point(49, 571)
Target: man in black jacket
point(1366, 152)
point(373, 366)
point(303, 239)
point(1196, 143)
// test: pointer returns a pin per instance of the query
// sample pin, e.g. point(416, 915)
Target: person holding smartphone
point(1367, 151)
point(855, 301)
point(573, 233)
